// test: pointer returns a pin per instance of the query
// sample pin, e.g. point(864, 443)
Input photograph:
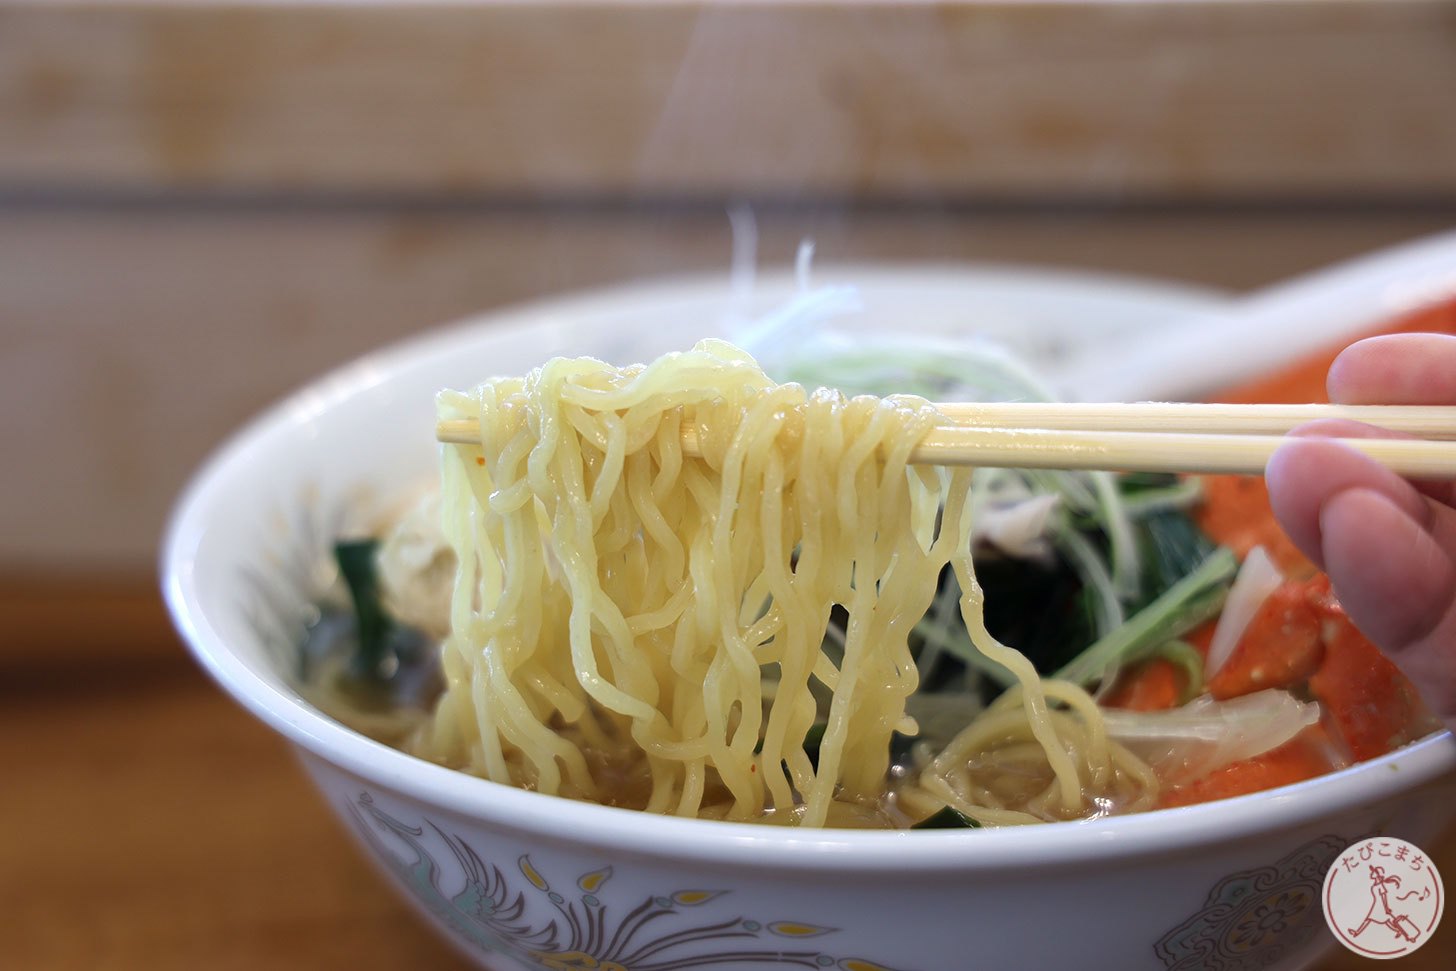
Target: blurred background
point(204, 204)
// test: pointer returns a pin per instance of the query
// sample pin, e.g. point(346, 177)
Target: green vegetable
point(1185, 656)
point(1100, 593)
point(1140, 499)
point(812, 740)
point(1043, 611)
point(373, 624)
point(947, 818)
point(370, 657)
point(1182, 607)
point(1171, 546)
point(1132, 571)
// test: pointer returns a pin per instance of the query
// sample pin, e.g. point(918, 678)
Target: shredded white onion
point(1258, 578)
point(1182, 744)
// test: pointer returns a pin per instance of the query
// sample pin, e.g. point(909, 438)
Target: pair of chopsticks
point(1149, 437)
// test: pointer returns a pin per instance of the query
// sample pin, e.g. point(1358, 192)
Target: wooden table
point(148, 822)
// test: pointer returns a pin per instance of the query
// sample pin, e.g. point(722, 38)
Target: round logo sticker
point(1383, 897)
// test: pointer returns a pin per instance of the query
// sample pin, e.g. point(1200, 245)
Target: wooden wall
point(203, 204)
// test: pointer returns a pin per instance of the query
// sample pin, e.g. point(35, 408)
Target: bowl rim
point(729, 844)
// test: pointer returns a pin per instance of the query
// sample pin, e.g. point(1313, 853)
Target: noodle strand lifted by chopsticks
point(619, 605)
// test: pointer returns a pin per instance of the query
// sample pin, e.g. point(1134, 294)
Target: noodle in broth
point(637, 626)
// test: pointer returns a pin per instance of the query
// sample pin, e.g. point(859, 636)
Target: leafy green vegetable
point(389, 663)
point(947, 818)
point(1182, 607)
point(1045, 612)
point(1052, 612)
point(373, 624)
point(1172, 547)
point(1131, 571)
point(1133, 484)
point(812, 740)
point(1140, 499)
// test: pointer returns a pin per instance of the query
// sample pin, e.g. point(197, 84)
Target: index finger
point(1396, 369)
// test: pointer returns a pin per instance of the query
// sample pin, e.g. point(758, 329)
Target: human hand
point(1388, 545)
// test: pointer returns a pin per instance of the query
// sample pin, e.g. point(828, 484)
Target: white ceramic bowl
point(518, 879)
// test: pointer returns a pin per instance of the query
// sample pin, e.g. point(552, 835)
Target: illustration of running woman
point(1380, 913)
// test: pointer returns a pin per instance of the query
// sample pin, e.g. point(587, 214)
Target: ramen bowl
point(518, 879)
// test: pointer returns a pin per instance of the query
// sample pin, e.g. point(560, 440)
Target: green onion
point(1190, 661)
point(1100, 585)
point(1147, 501)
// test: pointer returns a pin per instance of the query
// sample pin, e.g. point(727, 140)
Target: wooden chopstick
point(1054, 448)
point(1423, 421)
point(1152, 437)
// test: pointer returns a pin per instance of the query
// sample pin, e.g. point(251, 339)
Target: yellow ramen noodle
point(636, 626)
